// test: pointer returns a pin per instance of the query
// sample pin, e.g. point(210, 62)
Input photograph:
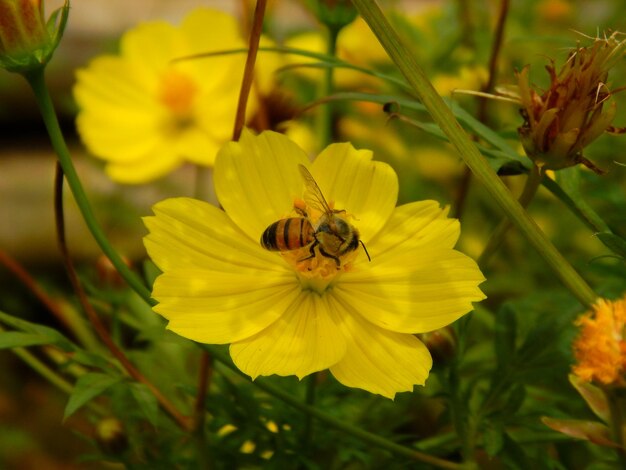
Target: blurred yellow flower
point(288, 315)
point(600, 349)
point(145, 114)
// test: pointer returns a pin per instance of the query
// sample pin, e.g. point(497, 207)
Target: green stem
point(326, 118)
point(37, 82)
point(309, 399)
point(617, 406)
point(441, 114)
point(50, 375)
point(336, 423)
point(497, 237)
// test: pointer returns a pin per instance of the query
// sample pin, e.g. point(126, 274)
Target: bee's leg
point(311, 251)
point(328, 255)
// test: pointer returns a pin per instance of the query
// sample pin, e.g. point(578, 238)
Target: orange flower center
point(178, 92)
point(321, 262)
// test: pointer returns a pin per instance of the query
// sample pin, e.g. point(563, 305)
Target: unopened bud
point(111, 436)
point(441, 343)
point(27, 40)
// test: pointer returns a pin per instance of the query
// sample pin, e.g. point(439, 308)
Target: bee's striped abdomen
point(287, 234)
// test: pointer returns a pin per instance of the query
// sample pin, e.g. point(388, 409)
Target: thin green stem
point(337, 423)
point(37, 82)
point(309, 399)
point(68, 318)
point(92, 315)
point(50, 375)
point(481, 115)
point(327, 116)
point(497, 237)
point(617, 406)
point(442, 115)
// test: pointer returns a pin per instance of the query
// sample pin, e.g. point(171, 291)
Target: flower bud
point(335, 14)
point(574, 110)
point(441, 343)
point(27, 41)
point(111, 436)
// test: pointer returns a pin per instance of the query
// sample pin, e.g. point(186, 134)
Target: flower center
point(331, 252)
point(177, 92)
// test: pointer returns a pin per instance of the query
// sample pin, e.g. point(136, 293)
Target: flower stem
point(481, 114)
point(337, 423)
point(327, 116)
point(37, 82)
point(51, 376)
point(248, 73)
point(617, 406)
point(309, 399)
point(497, 237)
point(69, 320)
point(441, 114)
point(93, 317)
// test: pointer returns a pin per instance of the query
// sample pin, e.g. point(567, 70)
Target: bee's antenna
point(363, 245)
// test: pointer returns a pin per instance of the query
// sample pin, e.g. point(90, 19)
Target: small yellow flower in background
point(600, 349)
point(145, 114)
point(561, 121)
point(288, 313)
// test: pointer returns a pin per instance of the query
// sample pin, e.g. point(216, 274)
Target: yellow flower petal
point(219, 307)
point(378, 360)
point(144, 169)
point(417, 224)
point(257, 180)
point(138, 47)
point(196, 146)
point(304, 340)
point(414, 291)
point(119, 120)
point(187, 233)
point(209, 30)
point(368, 190)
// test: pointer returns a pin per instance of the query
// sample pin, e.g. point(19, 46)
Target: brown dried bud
point(562, 120)
point(441, 343)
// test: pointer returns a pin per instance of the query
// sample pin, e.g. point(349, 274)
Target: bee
point(331, 234)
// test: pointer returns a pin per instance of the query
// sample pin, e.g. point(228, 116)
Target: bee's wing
point(313, 194)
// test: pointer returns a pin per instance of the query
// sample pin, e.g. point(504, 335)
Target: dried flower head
point(562, 120)
point(600, 349)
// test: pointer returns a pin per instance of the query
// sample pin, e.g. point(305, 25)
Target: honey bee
point(331, 234)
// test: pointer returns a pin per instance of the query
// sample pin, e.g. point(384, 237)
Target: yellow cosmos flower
point(288, 313)
point(600, 349)
point(145, 114)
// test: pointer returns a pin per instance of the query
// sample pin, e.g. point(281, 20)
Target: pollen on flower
point(315, 270)
point(600, 350)
point(177, 91)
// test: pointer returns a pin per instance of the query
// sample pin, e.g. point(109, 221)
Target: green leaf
point(15, 339)
point(87, 388)
point(493, 438)
point(147, 402)
point(45, 335)
point(505, 336)
point(594, 397)
point(614, 242)
point(590, 431)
